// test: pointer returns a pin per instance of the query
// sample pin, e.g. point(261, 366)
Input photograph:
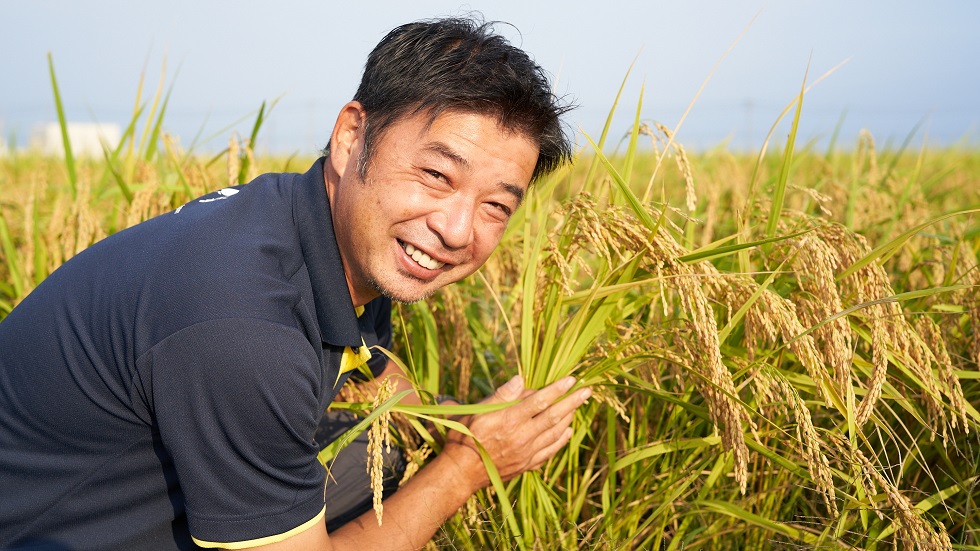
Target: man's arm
point(519, 438)
point(400, 379)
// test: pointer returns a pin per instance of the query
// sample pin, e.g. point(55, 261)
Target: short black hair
point(461, 64)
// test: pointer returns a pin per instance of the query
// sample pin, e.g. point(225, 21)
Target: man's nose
point(453, 221)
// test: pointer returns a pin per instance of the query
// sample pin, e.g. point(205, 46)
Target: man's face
point(432, 206)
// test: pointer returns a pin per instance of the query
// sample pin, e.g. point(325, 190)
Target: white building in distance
point(87, 138)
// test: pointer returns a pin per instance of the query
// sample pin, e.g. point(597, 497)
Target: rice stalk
point(913, 531)
point(63, 123)
point(234, 160)
point(379, 443)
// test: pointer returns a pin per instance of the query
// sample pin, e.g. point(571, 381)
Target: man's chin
point(405, 296)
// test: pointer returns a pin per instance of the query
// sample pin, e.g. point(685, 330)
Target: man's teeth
point(423, 259)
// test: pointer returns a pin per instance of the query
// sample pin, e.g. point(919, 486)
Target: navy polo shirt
point(168, 381)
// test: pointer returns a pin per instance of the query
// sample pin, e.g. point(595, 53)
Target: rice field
point(783, 345)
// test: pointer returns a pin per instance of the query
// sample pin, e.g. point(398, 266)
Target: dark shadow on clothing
point(348, 492)
point(36, 544)
point(179, 528)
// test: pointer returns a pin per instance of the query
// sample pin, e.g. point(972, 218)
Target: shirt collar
point(332, 301)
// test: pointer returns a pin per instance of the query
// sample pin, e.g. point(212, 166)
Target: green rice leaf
point(747, 517)
point(63, 123)
point(884, 252)
point(779, 193)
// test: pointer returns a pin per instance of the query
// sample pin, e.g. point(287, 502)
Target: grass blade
point(885, 251)
point(63, 123)
point(587, 184)
point(775, 211)
point(631, 197)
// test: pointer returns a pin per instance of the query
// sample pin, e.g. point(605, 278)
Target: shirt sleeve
point(237, 403)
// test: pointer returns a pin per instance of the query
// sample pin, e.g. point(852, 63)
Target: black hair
point(461, 64)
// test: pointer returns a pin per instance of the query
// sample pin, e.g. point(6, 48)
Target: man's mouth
point(421, 258)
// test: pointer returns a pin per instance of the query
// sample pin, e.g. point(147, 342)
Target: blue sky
point(906, 62)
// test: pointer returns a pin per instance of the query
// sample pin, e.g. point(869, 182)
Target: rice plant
point(783, 346)
point(777, 383)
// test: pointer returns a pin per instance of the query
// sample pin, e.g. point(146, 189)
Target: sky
point(903, 68)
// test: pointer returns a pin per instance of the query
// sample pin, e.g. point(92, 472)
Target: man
point(163, 388)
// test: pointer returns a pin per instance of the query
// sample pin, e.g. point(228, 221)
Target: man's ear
point(347, 138)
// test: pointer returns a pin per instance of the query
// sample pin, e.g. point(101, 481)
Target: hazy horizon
point(908, 65)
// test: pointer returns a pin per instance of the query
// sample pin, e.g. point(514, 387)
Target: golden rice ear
point(379, 443)
point(75, 223)
point(910, 526)
point(773, 387)
point(234, 161)
point(415, 458)
point(814, 266)
point(934, 345)
point(252, 171)
point(683, 165)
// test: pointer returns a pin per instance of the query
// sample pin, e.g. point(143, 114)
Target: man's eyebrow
point(444, 150)
point(447, 152)
point(515, 190)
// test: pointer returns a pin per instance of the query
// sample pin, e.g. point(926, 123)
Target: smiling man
point(164, 388)
point(457, 179)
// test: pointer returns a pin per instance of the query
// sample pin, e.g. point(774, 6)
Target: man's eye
point(435, 174)
point(502, 208)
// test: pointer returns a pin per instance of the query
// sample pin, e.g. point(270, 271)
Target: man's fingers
point(507, 392)
point(544, 398)
point(555, 426)
point(546, 453)
point(525, 435)
point(555, 431)
point(565, 407)
point(566, 421)
point(533, 402)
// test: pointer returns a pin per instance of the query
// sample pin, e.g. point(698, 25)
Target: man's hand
point(518, 438)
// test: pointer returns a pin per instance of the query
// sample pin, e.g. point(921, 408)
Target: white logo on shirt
point(223, 193)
